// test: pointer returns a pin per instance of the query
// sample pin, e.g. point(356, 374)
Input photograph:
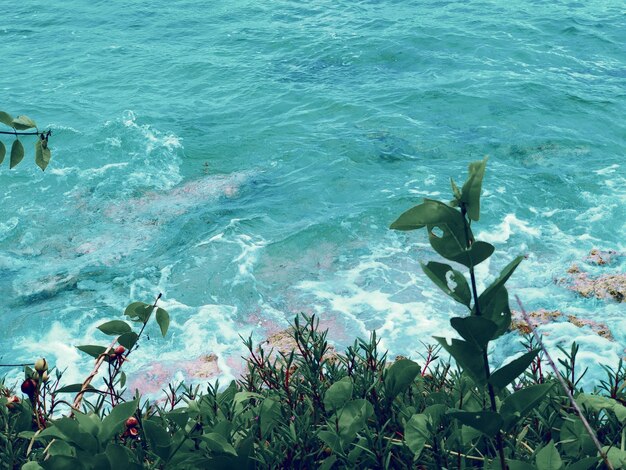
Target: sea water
point(246, 158)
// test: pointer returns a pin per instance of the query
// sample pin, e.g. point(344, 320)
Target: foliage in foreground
point(312, 408)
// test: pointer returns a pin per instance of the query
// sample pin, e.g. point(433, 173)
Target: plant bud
point(120, 350)
point(41, 365)
point(131, 422)
point(45, 377)
point(28, 387)
point(134, 432)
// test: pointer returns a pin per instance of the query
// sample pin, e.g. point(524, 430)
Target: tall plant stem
point(565, 387)
point(490, 389)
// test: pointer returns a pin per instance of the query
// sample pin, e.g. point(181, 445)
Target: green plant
point(18, 125)
point(449, 228)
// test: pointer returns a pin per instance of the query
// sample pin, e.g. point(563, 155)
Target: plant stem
point(490, 389)
point(565, 387)
point(19, 133)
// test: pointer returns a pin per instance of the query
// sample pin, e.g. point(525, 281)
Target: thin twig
point(83, 388)
point(564, 385)
point(18, 365)
point(19, 133)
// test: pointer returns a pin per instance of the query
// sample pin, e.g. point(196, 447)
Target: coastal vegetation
point(308, 406)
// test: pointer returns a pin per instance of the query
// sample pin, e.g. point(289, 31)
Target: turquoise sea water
point(246, 158)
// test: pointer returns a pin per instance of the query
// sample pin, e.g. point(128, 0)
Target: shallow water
point(246, 160)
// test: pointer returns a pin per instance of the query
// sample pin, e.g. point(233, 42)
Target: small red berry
point(29, 386)
point(120, 350)
point(131, 422)
point(134, 432)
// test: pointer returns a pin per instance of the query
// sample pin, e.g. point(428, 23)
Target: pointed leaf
point(42, 154)
point(128, 340)
point(430, 212)
point(491, 291)
point(508, 373)
point(476, 330)
point(159, 439)
point(338, 394)
point(138, 311)
point(17, 153)
point(416, 433)
point(3, 152)
point(585, 464)
point(452, 282)
point(21, 123)
point(400, 376)
point(548, 458)
point(115, 327)
point(487, 422)
point(92, 350)
point(497, 310)
point(470, 194)
point(517, 405)
point(163, 319)
point(74, 388)
point(112, 424)
point(468, 356)
point(6, 119)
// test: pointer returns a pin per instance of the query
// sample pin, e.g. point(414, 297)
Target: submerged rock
point(603, 286)
point(543, 317)
point(602, 257)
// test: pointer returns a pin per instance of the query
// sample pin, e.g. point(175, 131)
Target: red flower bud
point(134, 432)
point(120, 350)
point(29, 386)
point(131, 422)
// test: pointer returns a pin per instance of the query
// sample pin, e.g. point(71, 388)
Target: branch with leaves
point(18, 125)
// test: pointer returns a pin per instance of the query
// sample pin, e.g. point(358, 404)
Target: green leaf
point(3, 152)
point(430, 212)
point(480, 251)
point(616, 456)
point(138, 311)
point(517, 405)
point(400, 376)
point(59, 447)
point(71, 430)
point(585, 464)
point(470, 193)
point(416, 433)
point(115, 327)
point(491, 291)
point(497, 310)
point(476, 330)
point(163, 319)
point(328, 462)
point(32, 465)
point(92, 350)
point(450, 281)
point(74, 388)
point(353, 418)
point(548, 458)
point(6, 119)
point(338, 394)
point(112, 424)
point(128, 340)
point(331, 439)
point(487, 422)
point(122, 379)
point(17, 153)
point(118, 455)
point(88, 422)
point(508, 373)
point(22, 123)
point(520, 465)
point(158, 438)
point(468, 356)
point(217, 443)
point(574, 438)
point(42, 155)
point(269, 415)
point(598, 403)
